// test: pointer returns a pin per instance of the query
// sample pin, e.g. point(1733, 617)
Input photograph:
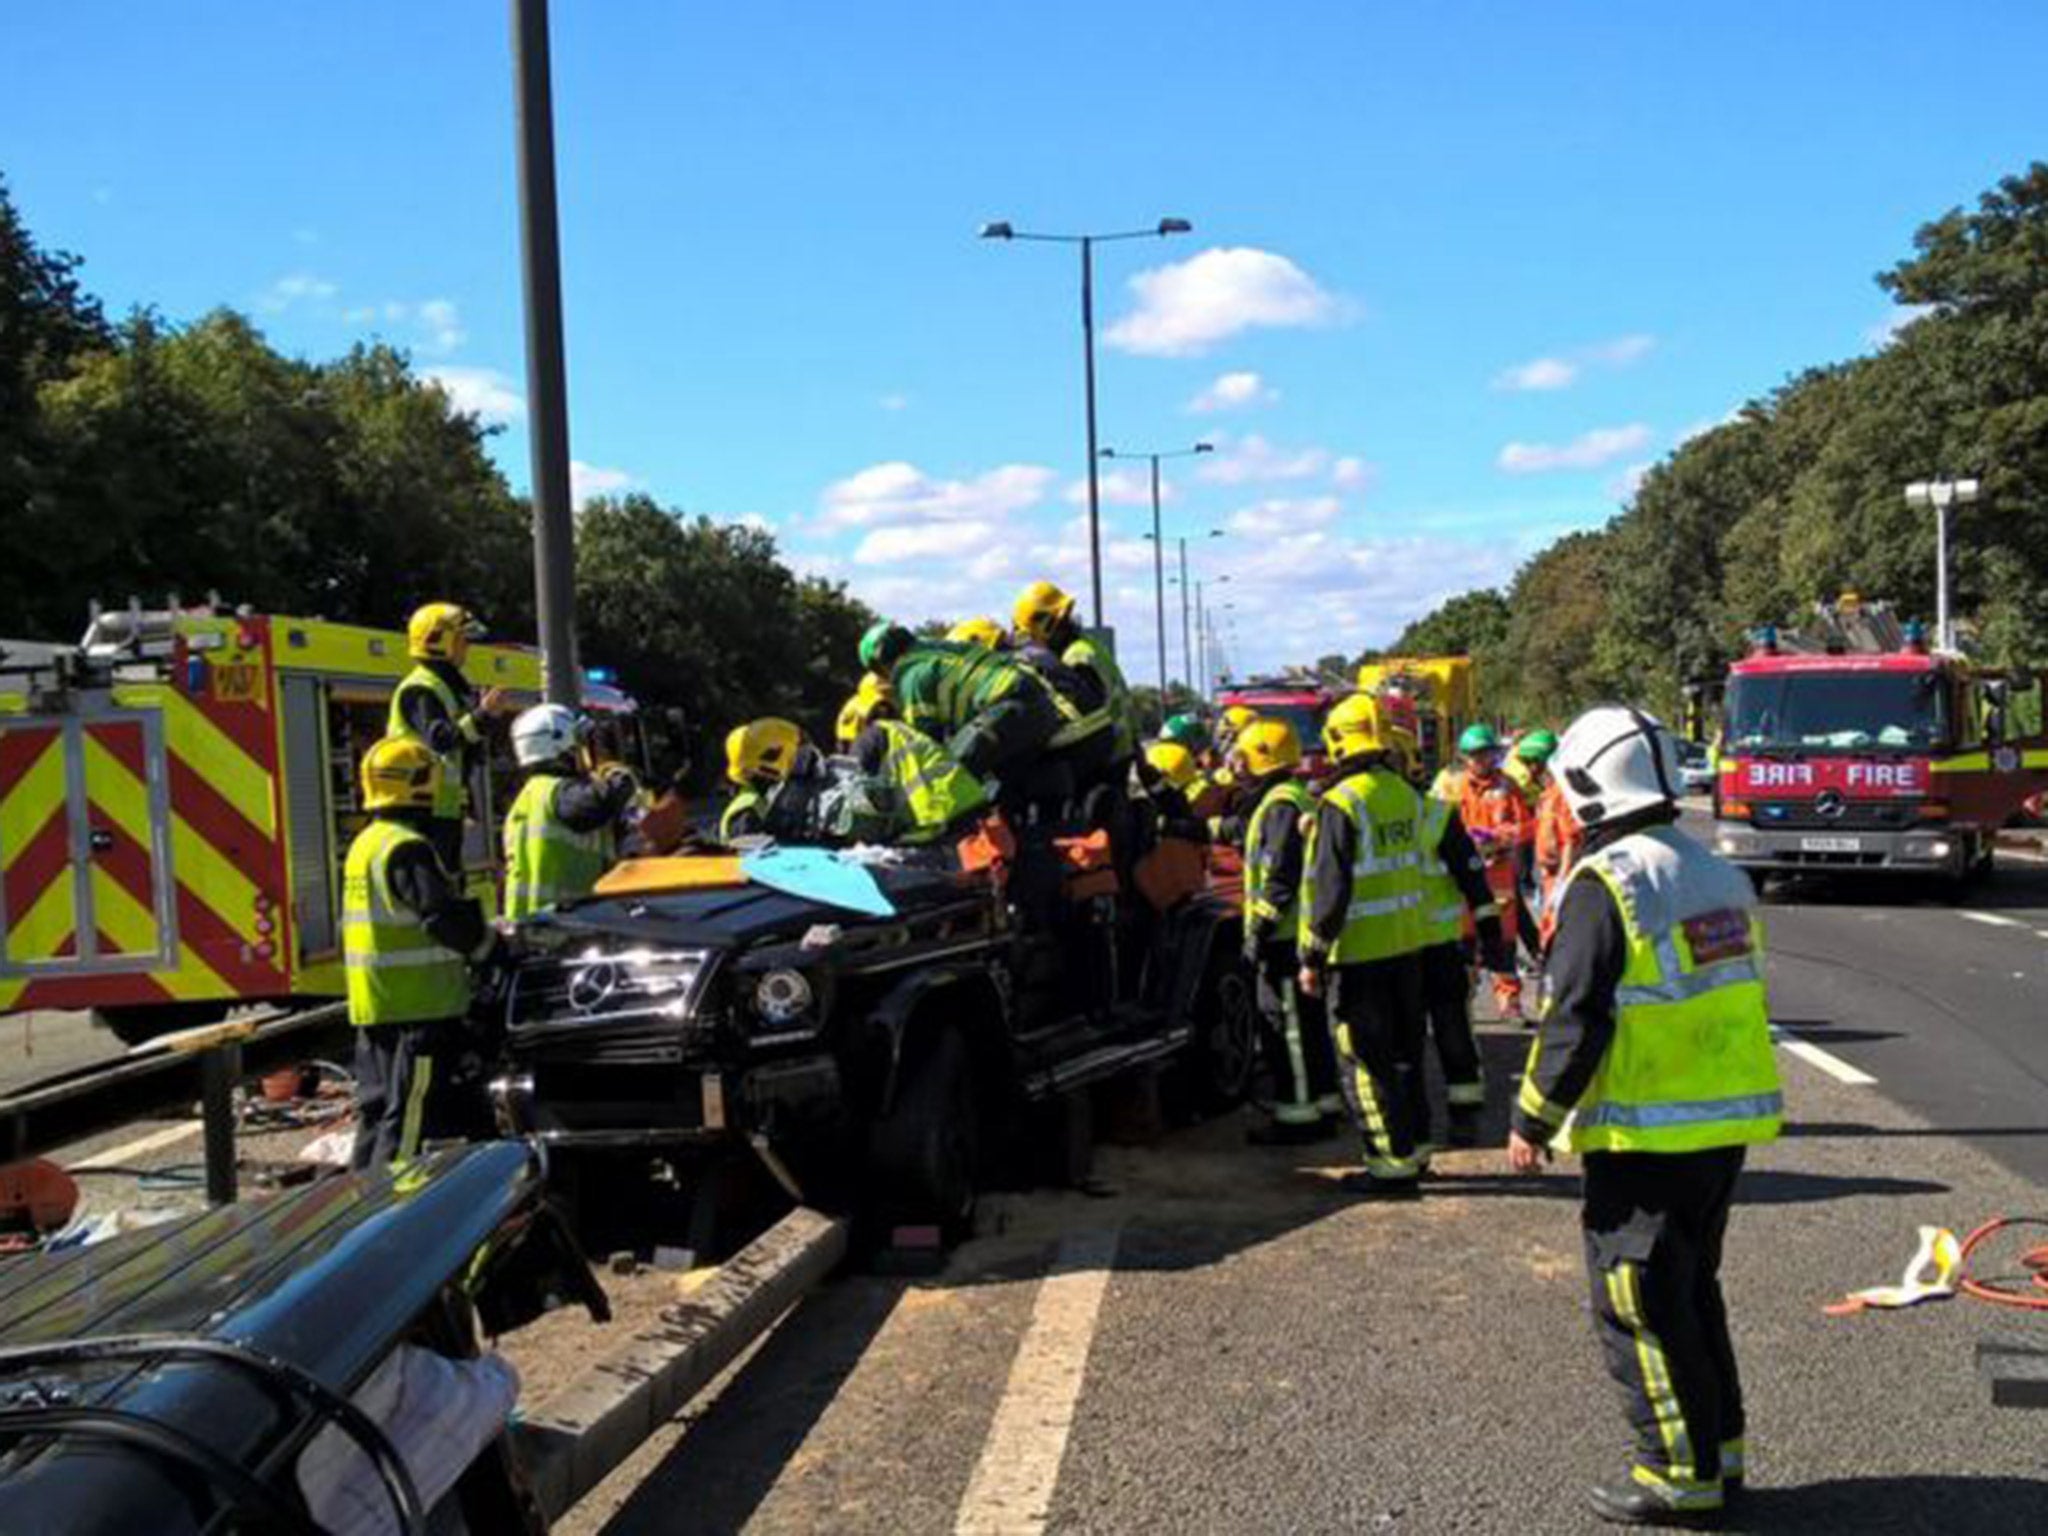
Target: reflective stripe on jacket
point(397, 974)
point(935, 789)
point(1384, 918)
point(1289, 798)
point(1443, 904)
point(1691, 1064)
point(740, 804)
point(450, 799)
point(547, 862)
point(1092, 655)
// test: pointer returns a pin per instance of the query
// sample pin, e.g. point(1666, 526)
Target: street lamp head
point(1215, 533)
point(1966, 490)
point(1105, 453)
point(1175, 227)
point(999, 229)
point(1205, 447)
point(1919, 494)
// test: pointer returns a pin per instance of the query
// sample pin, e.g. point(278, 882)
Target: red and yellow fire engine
point(176, 795)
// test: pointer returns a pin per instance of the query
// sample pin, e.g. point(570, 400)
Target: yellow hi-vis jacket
point(453, 794)
point(548, 862)
point(1090, 654)
point(935, 789)
point(1289, 798)
point(1385, 914)
point(1443, 904)
point(396, 973)
point(1691, 1065)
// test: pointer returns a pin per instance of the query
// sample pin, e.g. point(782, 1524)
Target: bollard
point(220, 1068)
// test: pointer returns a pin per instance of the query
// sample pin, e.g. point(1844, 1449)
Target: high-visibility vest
point(1386, 876)
point(1449, 784)
point(937, 790)
point(453, 794)
point(944, 684)
point(1443, 903)
point(397, 973)
point(1691, 1064)
point(1090, 654)
point(745, 800)
point(1291, 798)
point(546, 861)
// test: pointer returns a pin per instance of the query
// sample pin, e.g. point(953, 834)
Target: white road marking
point(1993, 919)
point(1827, 1061)
point(1011, 1491)
point(128, 1151)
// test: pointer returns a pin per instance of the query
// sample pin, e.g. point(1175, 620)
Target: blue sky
point(1457, 270)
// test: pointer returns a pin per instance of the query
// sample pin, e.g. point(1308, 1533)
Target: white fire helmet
point(544, 733)
point(1614, 761)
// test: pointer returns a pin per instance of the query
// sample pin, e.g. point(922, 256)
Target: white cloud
point(1351, 474)
point(442, 325)
point(1121, 488)
point(1539, 373)
point(295, 288)
point(1185, 308)
point(1624, 485)
point(1589, 450)
point(1234, 392)
point(484, 393)
point(897, 492)
point(894, 402)
point(924, 541)
point(1886, 331)
point(1561, 372)
point(589, 481)
point(1253, 458)
point(1279, 515)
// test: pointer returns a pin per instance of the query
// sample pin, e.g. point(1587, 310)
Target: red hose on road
point(2034, 1260)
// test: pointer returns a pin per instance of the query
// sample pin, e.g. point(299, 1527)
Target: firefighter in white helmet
point(409, 939)
point(1657, 1045)
point(564, 827)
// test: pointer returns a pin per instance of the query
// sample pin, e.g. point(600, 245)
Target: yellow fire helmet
point(1268, 746)
point(1236, 717)
point(1041, 606)
point(400, 773)
point(984, 632)
point(762, 751)
point(1355, 726)
point(1173, 763)
point(441, 632)
point(873, 699)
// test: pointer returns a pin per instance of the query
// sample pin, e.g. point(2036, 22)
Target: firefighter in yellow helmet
point(776, 776)
point(435, 704)
point(1171, 778)
point(1044, 616)
point(906, 788)
point(869, 697)
point(1361, 938)
point(409, 939)
point(984, 632)
point(1267, 762)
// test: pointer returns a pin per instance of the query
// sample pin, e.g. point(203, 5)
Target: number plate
point(1831, 845)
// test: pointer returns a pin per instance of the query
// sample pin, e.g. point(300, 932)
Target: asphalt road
point(1215, 1339)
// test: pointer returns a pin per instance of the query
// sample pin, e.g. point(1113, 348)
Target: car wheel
point(925, 1151)
point(1226, 1043)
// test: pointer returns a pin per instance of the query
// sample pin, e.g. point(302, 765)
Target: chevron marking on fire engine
point(217, 759)
point(37, 794)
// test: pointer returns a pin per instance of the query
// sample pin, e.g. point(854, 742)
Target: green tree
point(1464, 626)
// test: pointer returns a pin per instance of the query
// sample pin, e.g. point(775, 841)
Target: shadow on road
point(1779, 1186)
point(1850, 1130)
point(1870, 1506)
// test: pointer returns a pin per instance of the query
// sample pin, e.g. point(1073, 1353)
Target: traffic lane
point(1430, 1368)
point(1269, 1355)
point(1943, 1008)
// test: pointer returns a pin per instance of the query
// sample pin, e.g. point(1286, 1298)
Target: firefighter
point(1657, 1043)
point(1044, 616)
point(922, 793)
point(564, 827)
point(1499, 823)
point(1361, 937)
point(984, 632)
point(1170, 777)
point(435, 704)
point(777, 778)
point(872, 691)
point(1456, 899)
point(998, 718)
point(1529, 764)
point(1297, 1036)
point(410, 937)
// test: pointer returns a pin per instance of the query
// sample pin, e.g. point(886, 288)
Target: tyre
point(1225, 1048)
point(142, 1022)
point(924, 1153)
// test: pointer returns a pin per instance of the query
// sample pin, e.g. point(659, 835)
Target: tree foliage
point(1798, 497)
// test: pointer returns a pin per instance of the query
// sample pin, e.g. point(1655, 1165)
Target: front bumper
point(1921, 850)
point(583, 1105)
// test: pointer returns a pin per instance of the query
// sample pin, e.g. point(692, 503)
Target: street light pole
point(1941, 495)
point(1187, 646)
point(1002, 229)
point(554, 522)
point(1158, 537)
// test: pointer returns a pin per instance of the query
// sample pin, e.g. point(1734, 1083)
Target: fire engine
point(1858, 746)
point(177, 792)
point(1429, 696)
point(1299, 698)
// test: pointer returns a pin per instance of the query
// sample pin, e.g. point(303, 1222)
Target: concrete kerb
point(581, 1433)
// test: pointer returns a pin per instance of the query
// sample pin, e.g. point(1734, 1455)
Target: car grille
point(602, 990)
point(1855, 816)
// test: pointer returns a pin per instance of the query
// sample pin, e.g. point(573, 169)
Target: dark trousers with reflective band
point(403, 1086)
point(1447, 999)
point(1376, 1022)
point(1296, 1035)
point(1654, 1227)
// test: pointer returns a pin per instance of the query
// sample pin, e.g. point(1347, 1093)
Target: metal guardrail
point(168, 1073)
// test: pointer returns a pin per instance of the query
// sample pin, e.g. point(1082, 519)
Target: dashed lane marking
point(1993, 919)
point(1827, 1061)
point(1011, 1491)
point(141, 1146)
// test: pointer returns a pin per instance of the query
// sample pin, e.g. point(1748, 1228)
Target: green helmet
point(1478, 738)
point(1184, 730)
point(882, 644)
point(1536, 746)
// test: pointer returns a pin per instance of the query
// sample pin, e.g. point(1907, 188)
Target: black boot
point(1634, 1503)
point(1366, 1187)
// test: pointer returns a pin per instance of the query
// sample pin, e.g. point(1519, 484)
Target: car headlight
point(782, 998)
